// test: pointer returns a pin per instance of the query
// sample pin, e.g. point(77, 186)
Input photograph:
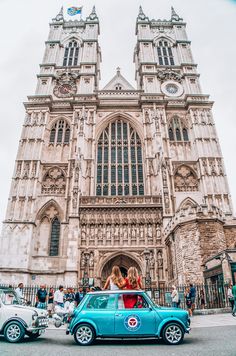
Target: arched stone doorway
point(123, 261)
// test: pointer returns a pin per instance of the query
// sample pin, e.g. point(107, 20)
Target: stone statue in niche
point(160, 264)
point(151, 260)
point(82, 261)
point(158, 232)
point(91, 260)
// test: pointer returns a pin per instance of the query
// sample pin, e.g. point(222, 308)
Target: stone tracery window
point(55, 237)
point(177, 130)
point(165, 55)
point(119, 161)
point(71, 54)
point(185, 179)
point(54, 181)
point(60, 133)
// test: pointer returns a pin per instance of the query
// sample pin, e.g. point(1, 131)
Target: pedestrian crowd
point(48, 300)
point(115, 281)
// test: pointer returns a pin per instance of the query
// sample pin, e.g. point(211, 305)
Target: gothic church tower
point(119, 175)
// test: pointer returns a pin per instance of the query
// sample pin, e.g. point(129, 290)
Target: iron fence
point(208, 296)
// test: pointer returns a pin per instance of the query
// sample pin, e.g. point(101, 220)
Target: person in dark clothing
point(69, 296)
point(50, 302)
point(41, 297)
point(192, 295)
point(79, 296)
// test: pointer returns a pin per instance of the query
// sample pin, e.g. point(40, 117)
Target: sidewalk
point(197, 321)
point(206, 321)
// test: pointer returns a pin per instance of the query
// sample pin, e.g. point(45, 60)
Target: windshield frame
point(15, 298)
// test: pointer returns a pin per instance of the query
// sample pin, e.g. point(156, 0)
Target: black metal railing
point(208, 296)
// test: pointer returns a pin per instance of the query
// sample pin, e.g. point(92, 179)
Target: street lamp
point(148, 280)
point(86, 262)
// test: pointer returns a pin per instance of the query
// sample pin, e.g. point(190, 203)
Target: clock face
point(172, 88)
point(64, 90)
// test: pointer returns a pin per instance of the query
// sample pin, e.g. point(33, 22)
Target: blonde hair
point(133, 277)
point(116, 275)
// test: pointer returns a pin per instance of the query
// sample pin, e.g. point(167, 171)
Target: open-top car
point(17, 320)
point(126, 314)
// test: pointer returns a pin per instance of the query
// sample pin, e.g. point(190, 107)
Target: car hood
point(40, 312)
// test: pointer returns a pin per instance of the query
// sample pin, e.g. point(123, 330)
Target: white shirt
point(19, 293)
point(59, 296)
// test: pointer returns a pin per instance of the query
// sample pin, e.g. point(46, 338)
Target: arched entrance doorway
point(124, 262)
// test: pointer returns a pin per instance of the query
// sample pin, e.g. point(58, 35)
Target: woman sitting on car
point(132, 281)
point(115, 281)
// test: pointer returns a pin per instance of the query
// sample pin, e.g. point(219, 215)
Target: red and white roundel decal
point(132, 322)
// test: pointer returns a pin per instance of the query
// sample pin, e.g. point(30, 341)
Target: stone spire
point(174, 16)
point(141, 15)
point(93, 16)
point(60, 16)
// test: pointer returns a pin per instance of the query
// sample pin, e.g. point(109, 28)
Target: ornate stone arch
point(178, 127)
point(49, 210)
point(161, 37)
point(59, 130)
point(46, 241)
point(185, 179)
point(111, 117)
point(188, 203)
point(130, 257)
point(120, 160)
point(70, 37)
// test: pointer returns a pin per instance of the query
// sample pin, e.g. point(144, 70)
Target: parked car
point(17, 320)
point(126, 314)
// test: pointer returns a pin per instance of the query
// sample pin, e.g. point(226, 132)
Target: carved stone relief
point(185, 179)
point(54, 181)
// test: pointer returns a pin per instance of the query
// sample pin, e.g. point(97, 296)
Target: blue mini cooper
point(126, 314)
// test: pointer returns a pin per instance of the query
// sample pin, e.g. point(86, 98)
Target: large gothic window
point(71, 54)
point(55, 236)
point(165, 55)
point(177, 130)
point(119, 161)
point(60, 133)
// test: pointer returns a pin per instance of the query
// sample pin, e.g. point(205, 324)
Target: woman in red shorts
point(132, 281)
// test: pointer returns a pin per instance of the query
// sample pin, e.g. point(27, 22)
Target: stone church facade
point(119, 175)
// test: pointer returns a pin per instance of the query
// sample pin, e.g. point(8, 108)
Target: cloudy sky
point(24, 28)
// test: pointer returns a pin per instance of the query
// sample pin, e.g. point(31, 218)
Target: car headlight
point(35, 315)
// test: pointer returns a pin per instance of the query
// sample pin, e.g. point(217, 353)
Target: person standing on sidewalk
point(174, 297)
point(230, 296)
point(59, 297)
point(234, 294)
point(50, 301)
point(41, 297)
point(192, 296)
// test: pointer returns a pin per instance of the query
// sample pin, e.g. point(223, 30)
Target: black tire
point(84, 334)
point(173, 334)
point(34, 336)
point(14, 332)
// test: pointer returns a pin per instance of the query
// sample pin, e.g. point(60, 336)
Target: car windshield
point(9, 297)
point(151, 300)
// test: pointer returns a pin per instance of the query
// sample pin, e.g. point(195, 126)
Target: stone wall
point(230, 236)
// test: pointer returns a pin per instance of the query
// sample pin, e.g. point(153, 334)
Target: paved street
point(206, 338)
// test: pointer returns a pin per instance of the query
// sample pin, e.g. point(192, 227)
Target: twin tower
point(119, 175)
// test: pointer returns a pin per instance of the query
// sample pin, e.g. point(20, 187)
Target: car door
point(137, 320)
point(100, 308)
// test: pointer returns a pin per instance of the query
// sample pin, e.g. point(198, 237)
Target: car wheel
point(84, 334)
point(14, 331)
point(173, 334)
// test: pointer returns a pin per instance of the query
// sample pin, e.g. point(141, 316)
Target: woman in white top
point(230, 296)
point(115, 281)
point(174, 297)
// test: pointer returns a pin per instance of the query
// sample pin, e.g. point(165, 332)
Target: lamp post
point(86, 277)
point(148, 280)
